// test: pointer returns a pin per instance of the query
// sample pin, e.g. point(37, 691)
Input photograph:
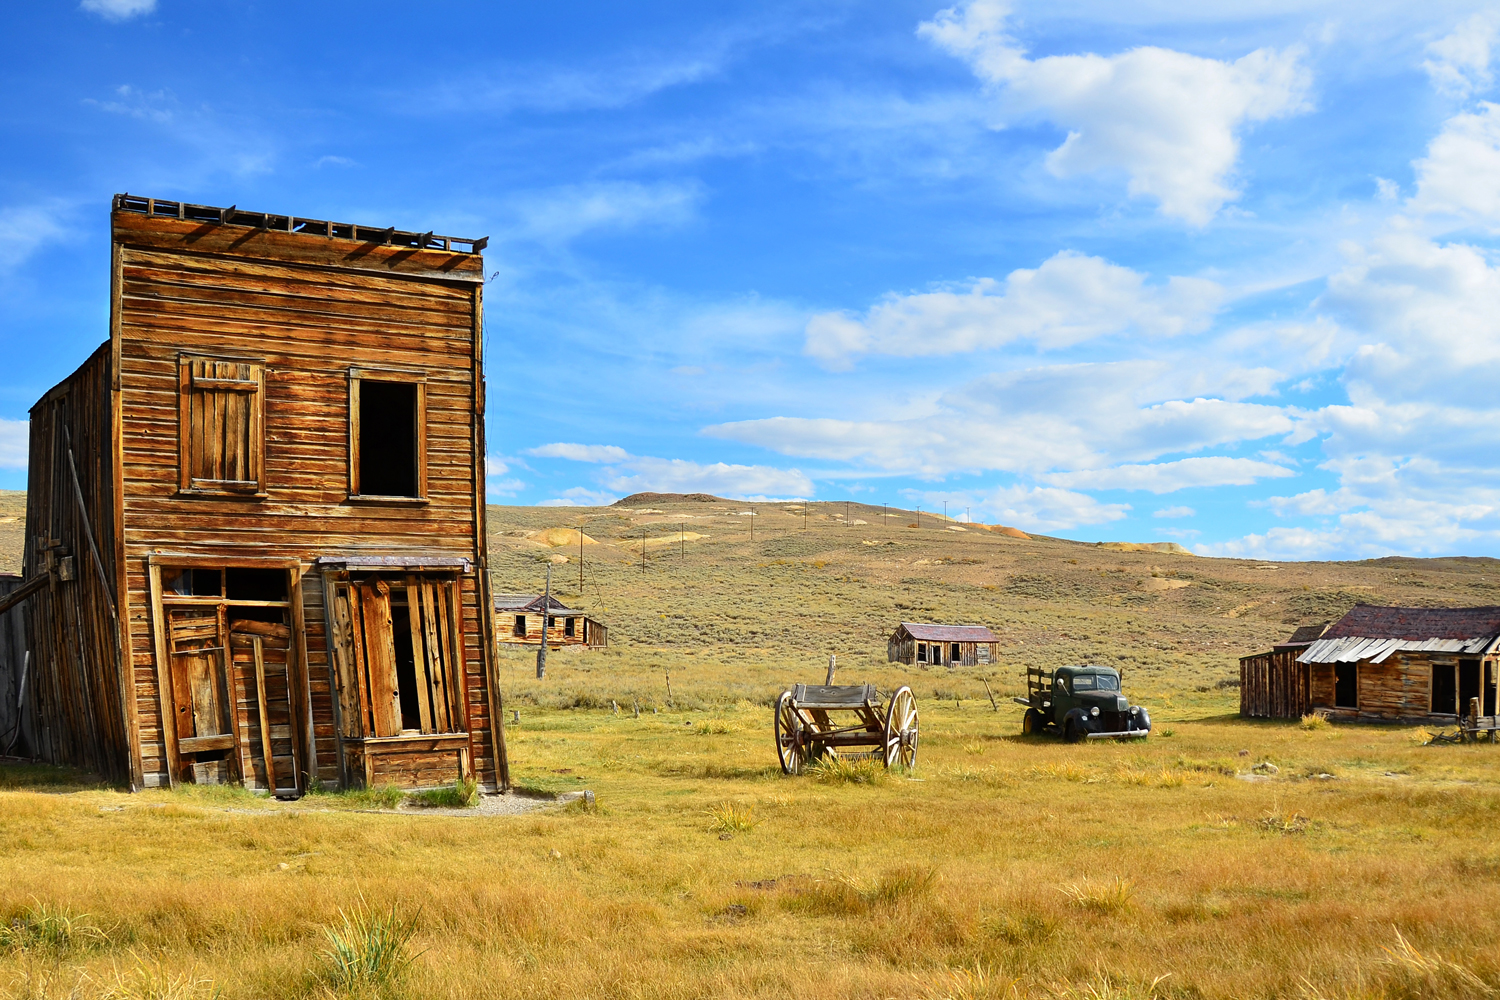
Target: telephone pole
point(541, 654)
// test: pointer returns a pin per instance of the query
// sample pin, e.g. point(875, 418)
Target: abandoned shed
point(518, 621)
point(1380, 663)
point(256, 512)
point(953, 645)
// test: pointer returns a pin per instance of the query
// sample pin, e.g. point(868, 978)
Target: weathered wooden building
point(259, 512)
point(1413, 664)
point(1273, 685)
point(951, 645)
point(518, 621)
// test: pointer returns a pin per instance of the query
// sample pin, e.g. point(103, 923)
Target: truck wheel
point(1072, 733)
point(1032, 722)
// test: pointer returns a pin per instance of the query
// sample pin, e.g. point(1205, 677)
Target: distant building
point(934, 645)
point(518, 621)
point(1380, 663)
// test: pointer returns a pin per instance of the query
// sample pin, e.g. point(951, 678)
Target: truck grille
point(1113, 722)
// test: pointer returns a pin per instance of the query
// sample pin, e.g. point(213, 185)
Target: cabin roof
point(1304, 635)
point(158, 208)
point(532, 602)
point(949, 633)
point(1371, 632)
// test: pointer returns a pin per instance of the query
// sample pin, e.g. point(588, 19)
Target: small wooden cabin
point(258, 511)
point(934, 645)
point(518, 621)
point(1382, 663)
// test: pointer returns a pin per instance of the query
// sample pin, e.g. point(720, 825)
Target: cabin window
point(221, 426)
point(921, 652)
point(387, 436)
point(401, 673)
point(520, 626)
point(569, 627)
point(954, 655)
point(1346, 685)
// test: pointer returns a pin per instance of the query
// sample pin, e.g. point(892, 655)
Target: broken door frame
point(345, 660)
point(299, 697)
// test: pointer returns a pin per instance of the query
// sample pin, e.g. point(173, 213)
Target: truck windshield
point(1096, 682)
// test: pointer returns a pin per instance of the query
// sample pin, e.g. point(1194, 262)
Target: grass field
point(1360, 864)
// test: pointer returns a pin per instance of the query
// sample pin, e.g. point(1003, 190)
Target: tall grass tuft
point(156, 982)
point(977, 983)
point(463, 795)
point(1105, 987)
point(1315, 720)
point(53, 929)
point(368, 954)
point(1412, 974)
point(379, 797)
point(1111, 897)
point(832, 769)
point(731, 817)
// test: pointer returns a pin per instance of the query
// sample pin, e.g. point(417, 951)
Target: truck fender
point(1142, 719)
point(1080, 718)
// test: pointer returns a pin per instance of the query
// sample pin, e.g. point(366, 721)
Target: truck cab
point(1081, 702)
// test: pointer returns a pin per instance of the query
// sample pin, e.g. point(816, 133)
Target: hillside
point(809, 585)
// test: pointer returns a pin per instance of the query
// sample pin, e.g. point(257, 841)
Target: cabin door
point(259, 653)
point(201, 696)
point(1468, 684)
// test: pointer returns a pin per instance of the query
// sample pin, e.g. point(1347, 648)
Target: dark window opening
point(276, 616)
point(197, 583)
point(255, 584)
point(1468, 684)
point(406, 663)
point(921, 652)
point(551, 622)
point(1489, 689)
point(1345, 685)
point(520, 626)
point(1444, 690)
point(954, 655)
point(569, 627)
point(388, 439)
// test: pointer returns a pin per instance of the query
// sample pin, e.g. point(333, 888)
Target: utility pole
point(945, 510)
point(752, 527)
point(846, 513)
point(919, 517)
point(967, 521)
point(541, 654)
point(681, 541)
point(643, 552)
point(806, 506)
point(580, 562)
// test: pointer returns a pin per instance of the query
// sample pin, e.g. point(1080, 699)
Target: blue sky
point(1217, 273)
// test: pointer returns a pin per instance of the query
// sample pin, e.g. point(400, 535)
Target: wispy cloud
point(1175, 512)
point(26, 228)
point(118, 10)
point(1459, 63)
point(557, 215)
point(629, 473)
point(1167, 477)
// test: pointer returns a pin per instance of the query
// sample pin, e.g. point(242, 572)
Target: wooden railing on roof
point(232, 216)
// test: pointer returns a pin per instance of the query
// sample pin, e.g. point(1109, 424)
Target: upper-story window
point(387, 436)
point(221, 422)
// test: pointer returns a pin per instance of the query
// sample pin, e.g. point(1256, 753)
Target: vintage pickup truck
point(1081, 702)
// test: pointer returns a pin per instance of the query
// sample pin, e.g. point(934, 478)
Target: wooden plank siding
point(1273, 685)
point(284, 318)
point(1399, 689)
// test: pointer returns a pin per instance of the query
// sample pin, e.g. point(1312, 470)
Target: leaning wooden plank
point(265, 716)
point(419, 653)
point(380, 656)
point(443, 718)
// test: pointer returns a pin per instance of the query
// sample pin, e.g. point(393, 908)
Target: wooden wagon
point(846, 720)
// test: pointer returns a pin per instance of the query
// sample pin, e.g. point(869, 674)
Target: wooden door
point(379, 647)
point(261, 653)
point(202, 694)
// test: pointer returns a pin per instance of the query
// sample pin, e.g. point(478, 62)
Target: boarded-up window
point(399, 661)
point(387, 436)
point(982, 652)
point(221, 426)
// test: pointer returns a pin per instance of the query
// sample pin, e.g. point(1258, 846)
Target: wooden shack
point(518, 621)
point(1273, 685)
point(258, 512)
point(1406, 664)
point(951, 645)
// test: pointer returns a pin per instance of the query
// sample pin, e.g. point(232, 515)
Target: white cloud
point(1460, 175)
point(1175, 512)
point(1043, 508)
point(118, 10)
point(1055, 419)
point(661, 475)
point(560, 214)
point(158, 106)
point(580, 496)
point(581, 452)
point(1168, 119)
point(1068, 299)
point(15, 436)
point(1459, 64)
point(24, 230)
point(1166, 477)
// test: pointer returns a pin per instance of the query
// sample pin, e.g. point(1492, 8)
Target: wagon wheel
point(790, 747)
point(901, 729)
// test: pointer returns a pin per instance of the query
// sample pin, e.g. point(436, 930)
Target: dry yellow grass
point(1002, 867)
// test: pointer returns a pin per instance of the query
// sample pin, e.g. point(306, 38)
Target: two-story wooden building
point(259, 509)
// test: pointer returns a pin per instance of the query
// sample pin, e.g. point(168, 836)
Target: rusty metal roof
point(950, 633)
point(1370, 621)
